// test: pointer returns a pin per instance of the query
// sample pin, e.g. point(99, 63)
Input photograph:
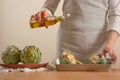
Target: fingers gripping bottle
point(50, 20)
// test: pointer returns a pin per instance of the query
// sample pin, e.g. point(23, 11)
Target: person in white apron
point(93, 27)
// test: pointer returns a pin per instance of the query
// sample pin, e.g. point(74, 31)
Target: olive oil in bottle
point(50, 20)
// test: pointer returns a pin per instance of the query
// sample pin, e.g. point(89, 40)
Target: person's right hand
point(41, 15)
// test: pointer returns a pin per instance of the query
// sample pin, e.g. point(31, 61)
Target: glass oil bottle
point(50, 20)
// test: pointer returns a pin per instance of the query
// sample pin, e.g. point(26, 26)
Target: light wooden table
point(63, 75)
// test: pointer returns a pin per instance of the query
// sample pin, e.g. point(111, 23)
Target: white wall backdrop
point(15, 29)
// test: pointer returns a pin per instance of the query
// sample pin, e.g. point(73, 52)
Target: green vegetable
point(94, 60)
point(69, 58)
point(11, 55)
point(103, 60)
point(99, 60)
point(64, 61)
point(31, 55)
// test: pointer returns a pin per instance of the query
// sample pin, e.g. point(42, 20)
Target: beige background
point(15, 29)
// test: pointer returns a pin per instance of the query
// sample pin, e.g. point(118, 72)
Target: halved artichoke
point(99, 60)
point(68, 58)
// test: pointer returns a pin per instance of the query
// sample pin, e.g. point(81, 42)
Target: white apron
point(85, 33)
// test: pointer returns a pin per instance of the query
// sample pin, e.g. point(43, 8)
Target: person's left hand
point(109, 49)
point(110, 45)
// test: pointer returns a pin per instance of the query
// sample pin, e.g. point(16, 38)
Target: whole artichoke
point(31, 55)
point(11, 55)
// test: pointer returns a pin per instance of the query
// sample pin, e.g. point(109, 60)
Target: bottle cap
point(65, 17)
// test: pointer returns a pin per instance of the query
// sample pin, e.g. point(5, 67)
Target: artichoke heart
point(68, 58)
point(99, 60)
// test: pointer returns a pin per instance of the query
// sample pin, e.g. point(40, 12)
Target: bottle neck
point(59, 19)
point(62, 18)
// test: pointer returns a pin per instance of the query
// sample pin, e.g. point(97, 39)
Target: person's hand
point(109, 49)
point(109, 46)
point(41, 15)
